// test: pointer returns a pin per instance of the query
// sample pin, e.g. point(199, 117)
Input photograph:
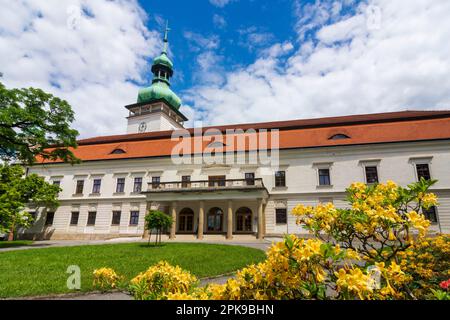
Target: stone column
point(201, 219)
point(264, 218)
point(260, 220)
point(173, 229)
point(230, 220)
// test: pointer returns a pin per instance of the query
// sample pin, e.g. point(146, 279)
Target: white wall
point(301, 177)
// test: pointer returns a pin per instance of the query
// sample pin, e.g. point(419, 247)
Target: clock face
point(142, 127)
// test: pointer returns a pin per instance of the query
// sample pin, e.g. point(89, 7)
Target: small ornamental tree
point(158, 221)
point(17, 191)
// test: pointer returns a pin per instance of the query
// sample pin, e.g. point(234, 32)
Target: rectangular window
point(430, 214)
point(92, 215)
point(186, 181)
point(137, 185)
point(371, 174)
point(96, 186)
point(57, 183)
point(216, 181)
point(280, 179)
point(80, 186)
point(134, 218)
point(423, 171)
point(324, 177)
point(120, 187)
point(156, 181)
point(116, 218)
point(281, 216)
point(250, 178)
point(49, 218)
point(74, 218)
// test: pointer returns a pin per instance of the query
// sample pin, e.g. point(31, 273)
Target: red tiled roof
point(402, 126)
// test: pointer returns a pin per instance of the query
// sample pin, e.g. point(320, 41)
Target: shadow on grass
point(12, 244)
point(152, 245)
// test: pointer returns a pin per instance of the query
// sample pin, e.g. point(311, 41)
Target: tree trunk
point(11, 235)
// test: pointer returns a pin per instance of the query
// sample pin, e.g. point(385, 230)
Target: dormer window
point(118, 151)
point(339, 136)
point(216, 144)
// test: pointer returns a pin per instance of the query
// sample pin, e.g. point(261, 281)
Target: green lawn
point(43, 271)
point(17, 243)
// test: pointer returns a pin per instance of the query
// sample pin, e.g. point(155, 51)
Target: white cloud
point(220, 3)
point(199, 42)
point(219, 21)
point(88, 52)
point(342, 65)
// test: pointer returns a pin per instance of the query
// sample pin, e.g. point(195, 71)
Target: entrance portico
point(231, 208)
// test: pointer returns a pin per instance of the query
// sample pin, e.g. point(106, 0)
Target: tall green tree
point(35, 123)
point(18, 191)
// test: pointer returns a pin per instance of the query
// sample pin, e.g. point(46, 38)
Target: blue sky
point(272, 20)
point(236, 61)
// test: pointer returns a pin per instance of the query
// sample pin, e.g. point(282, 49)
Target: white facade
point(394, 161)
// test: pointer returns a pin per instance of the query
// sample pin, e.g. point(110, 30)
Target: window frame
point(416, 165)
point(136, 183)
point(96, 186)
point(79, 184)
point(376, 173)
point(114, 217)
point(280, 179)
point(120, 185)
point(328, 175)
point(426, 213)
point(133, 222)
point(186, 181)
point(49, 221)
point(156, 182)
point(72, 213)
point(250, 178)
point(285, 219)
point(89, 223)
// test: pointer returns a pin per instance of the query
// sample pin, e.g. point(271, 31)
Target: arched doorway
point(186, 220)
point(215, 220)
point(244, 220)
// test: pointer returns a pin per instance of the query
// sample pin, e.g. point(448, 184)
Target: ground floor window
point(49, 218)
point(244, 220)
point(91, 218)
point(134, 218)
point(116, 218)
point(74, 218)
point(186, 220)
point(431, 214)
point(215, 220)
point(281, 216)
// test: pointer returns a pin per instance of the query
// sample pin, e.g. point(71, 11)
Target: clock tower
point(157, 107)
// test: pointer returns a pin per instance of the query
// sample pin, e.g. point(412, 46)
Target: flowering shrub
point(380, 223)
point(105, 278)
point(428, 263)
point(161, 281)
point(376, 249)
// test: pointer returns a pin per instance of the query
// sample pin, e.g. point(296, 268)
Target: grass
point(43, 271)
point(16, 243)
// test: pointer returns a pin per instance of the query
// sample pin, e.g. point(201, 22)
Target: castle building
point(121, 177)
